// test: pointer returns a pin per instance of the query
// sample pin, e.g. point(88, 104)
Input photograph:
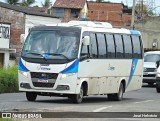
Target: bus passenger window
point(136, 47)
point(119, 46)
point(110, 45)
point(101, 45)
point(84, 52)
point(127, 46)
point(93, 45)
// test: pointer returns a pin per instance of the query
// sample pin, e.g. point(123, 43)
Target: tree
point(27, 2)
point(46, 3)
point(99, 1)
point(12, 2)
point(143, 10)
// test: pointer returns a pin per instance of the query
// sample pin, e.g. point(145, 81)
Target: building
point(17, 20)
point(115, 13)
point(150, 29)
point(70, 9)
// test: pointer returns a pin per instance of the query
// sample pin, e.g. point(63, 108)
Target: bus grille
point(38, 84)
point(150, 75)
point(48, 75)
point(150, 70)
point(51, 78)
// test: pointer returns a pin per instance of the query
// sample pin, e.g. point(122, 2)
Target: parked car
point(158, 77)
point(150, 70)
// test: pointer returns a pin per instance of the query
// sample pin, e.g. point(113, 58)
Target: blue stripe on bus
point(21, 66)
point(133, 67)
point(135, 32)
point(73, 68)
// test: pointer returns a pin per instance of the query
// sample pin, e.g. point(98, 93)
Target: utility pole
point(133, 12)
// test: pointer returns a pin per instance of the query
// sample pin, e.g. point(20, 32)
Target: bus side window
point(119, 46)
point(85, 51)
point(136, 47)
point(127, 46)
point(110, 46)
point(94, 47)
point(101, 45)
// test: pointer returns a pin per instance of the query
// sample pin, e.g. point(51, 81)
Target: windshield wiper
point(58, 54)
point(35, 54)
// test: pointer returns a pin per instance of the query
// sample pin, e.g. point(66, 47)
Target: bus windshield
point(51, 44)
point(152, 58)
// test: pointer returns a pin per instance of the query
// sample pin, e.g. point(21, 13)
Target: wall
point(108, 12)
point(84, 11)
point(150, 30)
point(16, 20)
point(67, 16)
point(31, 21)
point(1, 59)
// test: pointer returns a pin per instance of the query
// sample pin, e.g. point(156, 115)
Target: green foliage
point(27, 2)
point(3, 119)
point(99, 1)
point(46, 3)
point(8, 80)
point(13, 2)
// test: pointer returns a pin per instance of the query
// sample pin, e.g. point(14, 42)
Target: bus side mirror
point(86, 40)
point(22, 38)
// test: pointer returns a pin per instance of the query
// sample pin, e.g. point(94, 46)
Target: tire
point(158, 89)
point(78, 98)
point(118, 96)
point(31, 96)
point(151, 83)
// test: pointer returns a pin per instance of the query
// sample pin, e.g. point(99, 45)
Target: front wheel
point(31, 96)
point(78, 98)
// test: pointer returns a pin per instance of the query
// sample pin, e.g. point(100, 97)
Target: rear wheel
point(31, 96)
point(118, 96)
point(78, 97)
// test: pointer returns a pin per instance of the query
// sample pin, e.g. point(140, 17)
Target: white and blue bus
point(81, 58)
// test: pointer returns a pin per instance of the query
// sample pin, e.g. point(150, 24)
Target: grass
point(1, 119)
point(8, 79)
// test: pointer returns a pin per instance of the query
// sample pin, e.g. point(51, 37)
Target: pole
point(133, 11)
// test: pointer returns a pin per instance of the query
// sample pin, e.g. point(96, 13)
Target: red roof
point(77, 4)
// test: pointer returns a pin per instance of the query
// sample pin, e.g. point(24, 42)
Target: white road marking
point(100, 109)
point(143, 101)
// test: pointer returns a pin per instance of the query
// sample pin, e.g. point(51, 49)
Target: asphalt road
point(143, 100)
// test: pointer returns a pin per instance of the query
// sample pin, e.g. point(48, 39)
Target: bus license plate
point(43, 80)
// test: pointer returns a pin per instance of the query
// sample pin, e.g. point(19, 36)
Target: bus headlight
point(24, 73)
point(63, 76)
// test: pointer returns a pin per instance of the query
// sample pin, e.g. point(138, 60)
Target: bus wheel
point(78, 97)
point(118, 96)
point(31, 96)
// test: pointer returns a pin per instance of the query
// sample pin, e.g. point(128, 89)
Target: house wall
point(67, 16)
point(32, 20)
point(108, 12)
point(19, 23)
point(84, 11)
point(16, 21)
point(150, 29)
point(1, 59)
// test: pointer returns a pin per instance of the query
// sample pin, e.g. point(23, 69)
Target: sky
point(126, 2)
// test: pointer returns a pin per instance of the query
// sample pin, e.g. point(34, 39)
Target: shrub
point(8, 79)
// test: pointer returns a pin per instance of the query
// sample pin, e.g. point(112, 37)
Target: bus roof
point(95, 27)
